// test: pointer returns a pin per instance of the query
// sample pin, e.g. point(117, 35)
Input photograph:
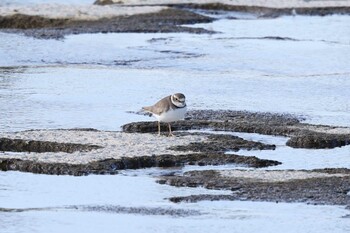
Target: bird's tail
point(145, 111)
point(141, 112)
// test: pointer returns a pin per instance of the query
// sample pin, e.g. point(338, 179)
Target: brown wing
point(160, 107)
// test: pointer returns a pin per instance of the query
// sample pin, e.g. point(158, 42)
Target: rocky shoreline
point(325, 189)
point(148, 18)
point(62, 152)
point(98, 152)
point(301, 135)
point(322, 186)
point(53, 152)
point(204, 153)
point(112, 166)
point(164, 21)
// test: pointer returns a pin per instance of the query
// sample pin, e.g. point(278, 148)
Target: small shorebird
point(169, 109)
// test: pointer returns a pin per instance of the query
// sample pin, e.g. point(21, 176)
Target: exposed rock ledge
point(46, 27)
point(321, 186)
point(85, 151)
point(80, 152)
point(301, 135)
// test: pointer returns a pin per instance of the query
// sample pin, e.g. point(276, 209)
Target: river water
point(295, 64)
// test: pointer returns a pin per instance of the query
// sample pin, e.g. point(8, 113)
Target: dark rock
point(318, 140)
point(137, 210)
point(226, 120)
point(111, 166)
point(105, 2)
point(202, 197)
point(249, 122)
point(221, 159)
point(169, 20)
point(223, 143)
point(20, 21)
point(333, 170)
point(19, 145)
point(230, 115)
point(269, 12)
point(325, 190)
point(116, 209)
point(258, 10)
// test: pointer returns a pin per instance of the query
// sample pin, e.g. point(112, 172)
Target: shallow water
point(297, 65)
point(291, 158)
point(92, 80)
point(20, 190)
point(65, 97)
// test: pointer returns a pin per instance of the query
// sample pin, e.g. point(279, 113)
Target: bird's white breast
point(172, 115)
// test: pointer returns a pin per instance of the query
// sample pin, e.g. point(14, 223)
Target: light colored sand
point(275, 176)
point(115, 145)
point(81, 12)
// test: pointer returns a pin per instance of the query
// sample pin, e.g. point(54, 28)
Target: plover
point(169, 109)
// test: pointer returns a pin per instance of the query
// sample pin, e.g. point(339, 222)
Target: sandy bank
point(78, 12)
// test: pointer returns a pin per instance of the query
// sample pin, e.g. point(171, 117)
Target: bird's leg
point(170, 133)
point(158, 128)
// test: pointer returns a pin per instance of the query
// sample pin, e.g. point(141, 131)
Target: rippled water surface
point(298, 65)
point(294, 65)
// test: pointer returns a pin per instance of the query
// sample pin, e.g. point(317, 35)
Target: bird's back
point(160, 107)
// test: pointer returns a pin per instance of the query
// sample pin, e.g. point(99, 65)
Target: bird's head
point(179, 100)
